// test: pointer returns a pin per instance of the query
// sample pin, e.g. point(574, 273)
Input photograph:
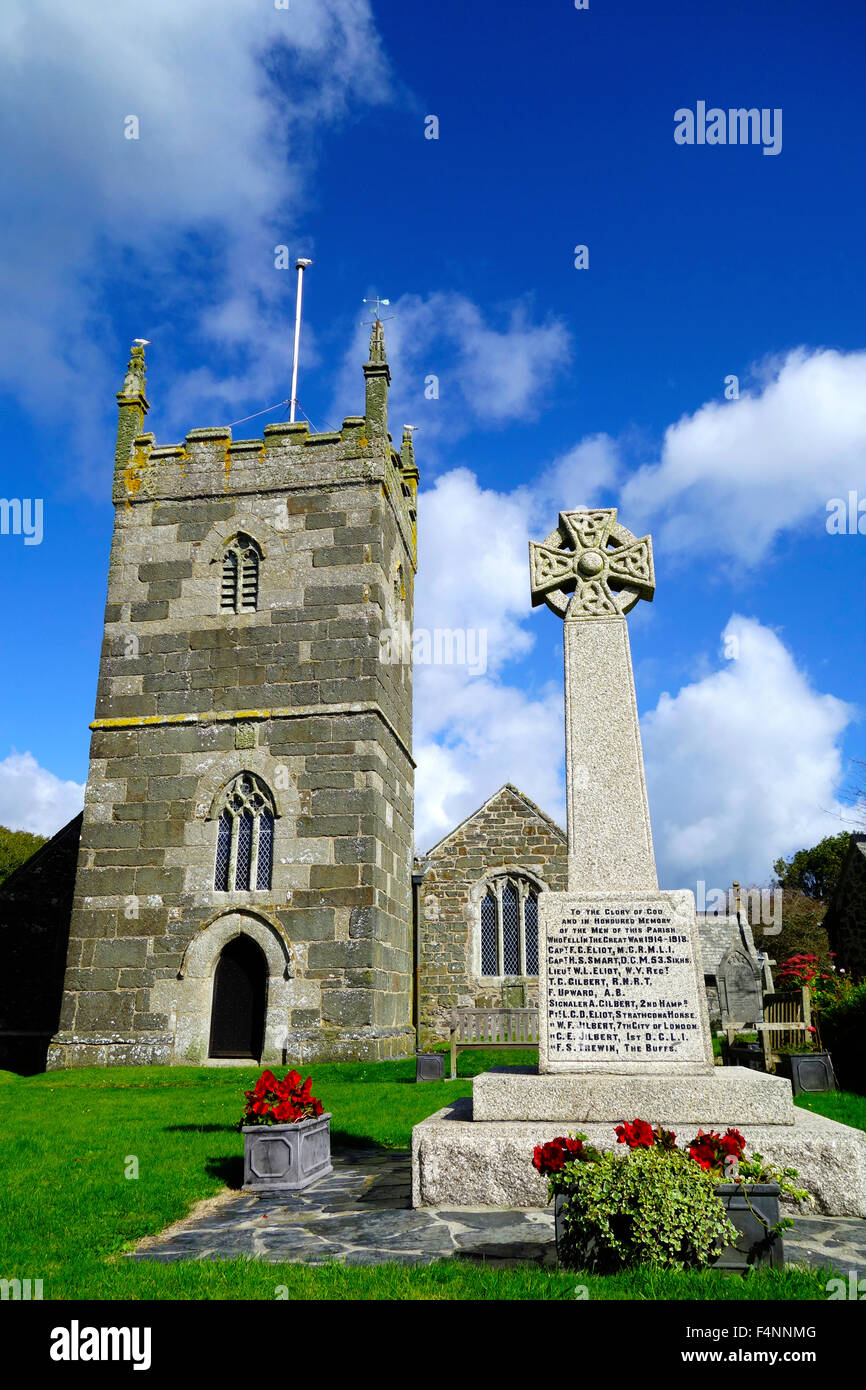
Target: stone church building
point(477, 914)
point(243, 884)
point(240, 884)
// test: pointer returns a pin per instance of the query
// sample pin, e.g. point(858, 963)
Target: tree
point(814, 872)
point(802, 932)
point(16, 847)
point(856, 794)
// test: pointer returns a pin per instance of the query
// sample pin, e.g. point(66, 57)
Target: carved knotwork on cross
point(591, 567)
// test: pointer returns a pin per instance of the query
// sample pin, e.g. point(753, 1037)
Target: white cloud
point(743, 766)
point(230, 96)
point(473, 568)
point(486, 376)
point(474, 732)
point(735, 474)
point(472, 735)
point(577, 478)
point(32, 798)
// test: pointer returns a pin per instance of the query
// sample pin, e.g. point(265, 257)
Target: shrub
point(657, 1208)
point(843, 1028)
point(802, 930)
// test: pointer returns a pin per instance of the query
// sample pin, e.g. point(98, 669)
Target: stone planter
point(754, 1246)
point(286, 1158)
point(807, 1071)
point(429, 1066)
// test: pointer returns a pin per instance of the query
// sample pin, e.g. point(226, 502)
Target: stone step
point(726, 1096)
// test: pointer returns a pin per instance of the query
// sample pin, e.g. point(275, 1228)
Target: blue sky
point(557, 386)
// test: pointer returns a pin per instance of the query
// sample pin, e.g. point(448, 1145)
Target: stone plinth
point(458, 1162)
point(730, 1096)
point(620, 984)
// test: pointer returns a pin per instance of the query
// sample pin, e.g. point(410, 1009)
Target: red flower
point(552, 1157)
point(280, 1102)
point(638, 1135)
point(710, 1151)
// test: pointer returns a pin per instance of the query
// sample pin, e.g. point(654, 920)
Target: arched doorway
point(239, 998)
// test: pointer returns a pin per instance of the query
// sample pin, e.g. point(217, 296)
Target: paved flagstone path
point(361, 1214)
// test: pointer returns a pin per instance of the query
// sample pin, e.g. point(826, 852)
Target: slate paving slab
point(361, 1214)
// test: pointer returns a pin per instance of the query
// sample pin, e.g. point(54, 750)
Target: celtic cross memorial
point(620, 980)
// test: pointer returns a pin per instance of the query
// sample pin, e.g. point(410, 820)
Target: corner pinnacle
point(377, 342)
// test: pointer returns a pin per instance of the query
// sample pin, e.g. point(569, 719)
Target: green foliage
point(16, 847)
point(814, 872)
point(756, 1169)
point(837, 994)
point(651, 1207)
point(843, 1028)
point(801, 933)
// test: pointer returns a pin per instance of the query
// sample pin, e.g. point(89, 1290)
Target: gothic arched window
point(509, 927)
point(239, 592)
point(245, 837)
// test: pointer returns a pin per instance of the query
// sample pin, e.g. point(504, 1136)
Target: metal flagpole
point(300, 265)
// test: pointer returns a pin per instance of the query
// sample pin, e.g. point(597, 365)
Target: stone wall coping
point(231, 716)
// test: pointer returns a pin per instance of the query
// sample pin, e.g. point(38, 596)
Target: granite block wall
point(294, 693)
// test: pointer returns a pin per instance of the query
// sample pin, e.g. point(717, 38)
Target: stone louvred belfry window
point(245, 837)
point(509, 927)
point(239, 592)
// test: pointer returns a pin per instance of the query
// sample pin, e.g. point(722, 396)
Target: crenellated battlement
point(288, 456)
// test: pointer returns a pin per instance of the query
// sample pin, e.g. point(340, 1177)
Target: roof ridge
point(42, 851)
point(515, 791)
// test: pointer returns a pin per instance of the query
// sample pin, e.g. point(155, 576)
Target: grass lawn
point(845, 1106)
point(67, 1210)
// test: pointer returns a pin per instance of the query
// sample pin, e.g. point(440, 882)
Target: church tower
point(244, 880)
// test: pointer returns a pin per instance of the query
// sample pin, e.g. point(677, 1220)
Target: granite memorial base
point(461, 1162)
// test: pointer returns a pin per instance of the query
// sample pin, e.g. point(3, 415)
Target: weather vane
point(378, 303)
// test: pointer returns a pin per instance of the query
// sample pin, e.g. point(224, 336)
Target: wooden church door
point(239, 994)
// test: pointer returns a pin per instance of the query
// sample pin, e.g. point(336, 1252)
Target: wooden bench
point(491, 1028)
point(787, 1019)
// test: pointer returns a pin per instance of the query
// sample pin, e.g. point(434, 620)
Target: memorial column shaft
point(609, 836)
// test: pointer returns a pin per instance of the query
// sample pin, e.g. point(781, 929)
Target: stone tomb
point(623, 1021)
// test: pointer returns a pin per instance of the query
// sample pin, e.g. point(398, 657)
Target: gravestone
point(623, 1021)
point(741, 996)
